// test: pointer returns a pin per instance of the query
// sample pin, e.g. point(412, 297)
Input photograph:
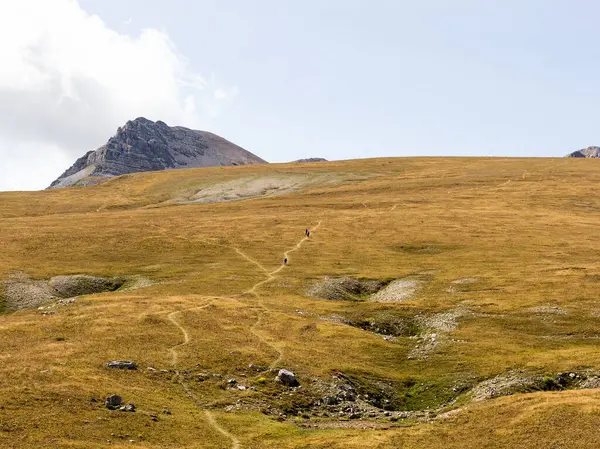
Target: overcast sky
point(285, 79)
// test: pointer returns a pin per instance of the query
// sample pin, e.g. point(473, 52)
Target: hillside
point(438, 302)
point(143, 145)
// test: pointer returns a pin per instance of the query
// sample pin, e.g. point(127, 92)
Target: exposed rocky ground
point(143, 145)
point(397, 291)
point(345, 288)
point(357, 396)
point(20, 291)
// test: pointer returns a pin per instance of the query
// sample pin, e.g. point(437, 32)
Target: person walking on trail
point(307, 233)
point(285, 261)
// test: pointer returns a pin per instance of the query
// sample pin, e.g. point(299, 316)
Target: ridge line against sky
point(285, 80)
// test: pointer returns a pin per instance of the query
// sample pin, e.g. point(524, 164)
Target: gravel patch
point(345, 288)
point(397, 291)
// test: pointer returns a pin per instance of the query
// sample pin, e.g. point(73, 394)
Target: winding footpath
point(235, 443)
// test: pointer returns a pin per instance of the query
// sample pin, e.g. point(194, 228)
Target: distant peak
point(143, 145)
point(589, 152)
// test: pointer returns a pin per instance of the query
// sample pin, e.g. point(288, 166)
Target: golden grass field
point(526, 231)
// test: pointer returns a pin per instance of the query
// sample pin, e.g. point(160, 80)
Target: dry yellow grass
point(525, 229)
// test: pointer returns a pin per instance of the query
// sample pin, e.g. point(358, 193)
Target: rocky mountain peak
point(143, 145)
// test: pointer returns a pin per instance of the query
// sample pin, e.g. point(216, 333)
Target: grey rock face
point(143, 145)
point(590, 152)
point(287, 378)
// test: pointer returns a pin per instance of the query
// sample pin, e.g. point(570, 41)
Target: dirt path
point(235, 443)
point(252, 291)
point(250, 259)
point(186, 335)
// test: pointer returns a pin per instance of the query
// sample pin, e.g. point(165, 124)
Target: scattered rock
point(287, 378)
point(122, 364)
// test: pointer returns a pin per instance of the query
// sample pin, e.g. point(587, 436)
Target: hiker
point(306, 232)
point(285, 261)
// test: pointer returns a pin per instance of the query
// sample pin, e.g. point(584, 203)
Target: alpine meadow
point(422, 302)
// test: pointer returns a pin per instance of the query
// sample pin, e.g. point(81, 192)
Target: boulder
point(122, 364)
point(287, 378)
point(113, 402)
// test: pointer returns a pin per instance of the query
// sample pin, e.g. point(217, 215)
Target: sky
point(338, 79)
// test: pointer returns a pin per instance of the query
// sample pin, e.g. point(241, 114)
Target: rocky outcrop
point(143, 145)
point(311, 159)
point(590, 152)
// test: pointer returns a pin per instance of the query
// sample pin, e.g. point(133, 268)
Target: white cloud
point(68, 81)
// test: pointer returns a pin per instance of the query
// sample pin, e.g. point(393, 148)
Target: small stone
point(128, 408)
point(254, 367)
point(232, 381)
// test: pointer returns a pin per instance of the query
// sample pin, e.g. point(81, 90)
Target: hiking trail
point(235, 443)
